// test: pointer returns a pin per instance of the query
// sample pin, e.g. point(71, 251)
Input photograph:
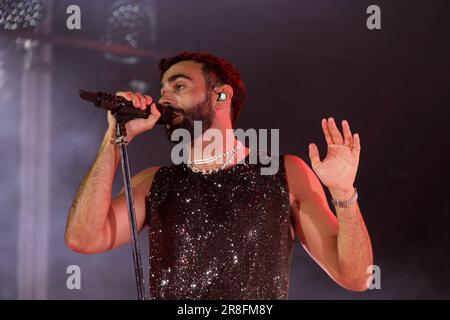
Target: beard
point(202, 111)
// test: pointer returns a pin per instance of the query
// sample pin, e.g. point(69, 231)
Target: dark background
point(302, 61)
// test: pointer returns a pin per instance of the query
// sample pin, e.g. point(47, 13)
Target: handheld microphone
point(122, 109)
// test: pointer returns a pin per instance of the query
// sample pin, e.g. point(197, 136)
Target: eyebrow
point(175, 77)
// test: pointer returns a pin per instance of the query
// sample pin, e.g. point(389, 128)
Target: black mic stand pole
point(122, 141)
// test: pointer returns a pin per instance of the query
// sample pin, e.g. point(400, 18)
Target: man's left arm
point(353, 242)
point(341, 246)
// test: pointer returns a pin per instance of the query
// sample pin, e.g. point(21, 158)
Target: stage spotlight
point(130, 24)
point(21, 14)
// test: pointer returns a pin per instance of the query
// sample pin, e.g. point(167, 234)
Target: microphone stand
point(122, 141)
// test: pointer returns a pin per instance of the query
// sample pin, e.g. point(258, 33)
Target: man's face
point(183, 88)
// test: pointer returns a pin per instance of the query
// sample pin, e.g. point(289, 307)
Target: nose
point(166, 100)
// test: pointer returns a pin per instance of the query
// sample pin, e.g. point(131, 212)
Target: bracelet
point(345, 203)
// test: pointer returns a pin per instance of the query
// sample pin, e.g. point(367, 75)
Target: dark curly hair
point(217, 71)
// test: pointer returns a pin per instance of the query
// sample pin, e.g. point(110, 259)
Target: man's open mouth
point(175, 120)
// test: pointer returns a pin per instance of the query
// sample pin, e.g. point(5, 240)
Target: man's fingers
point(139, 101)
point(126, 94)
point(356, 144)
point(148, 100)
point(314, 155)
point(154, 112)
point(334, 131)
point(348, 139)
point(143, 102)
point(326, 132)
point(136, 101)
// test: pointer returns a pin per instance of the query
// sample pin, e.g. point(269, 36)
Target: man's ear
point(224, 93)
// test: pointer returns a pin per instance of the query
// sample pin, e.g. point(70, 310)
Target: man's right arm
point(97, 222)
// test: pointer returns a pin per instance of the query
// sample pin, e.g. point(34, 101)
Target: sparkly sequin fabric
point(220, 236)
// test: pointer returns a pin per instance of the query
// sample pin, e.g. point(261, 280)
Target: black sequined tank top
point(225, 235)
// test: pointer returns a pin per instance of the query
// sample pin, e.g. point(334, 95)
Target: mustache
point(175, 109)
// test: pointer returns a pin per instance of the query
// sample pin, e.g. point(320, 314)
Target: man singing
point(218, 228)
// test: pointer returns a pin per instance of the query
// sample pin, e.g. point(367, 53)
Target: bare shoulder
point(294, 163)
point(146, 174)
point(301, 178)
point(142, 181)
point(296, 169)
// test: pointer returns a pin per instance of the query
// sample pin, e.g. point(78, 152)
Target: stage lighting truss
point(21, 14)
point(132, 24)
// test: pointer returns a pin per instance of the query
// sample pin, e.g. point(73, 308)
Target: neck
point(215, 142)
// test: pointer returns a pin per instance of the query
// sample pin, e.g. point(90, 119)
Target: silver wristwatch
point(345, 203)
